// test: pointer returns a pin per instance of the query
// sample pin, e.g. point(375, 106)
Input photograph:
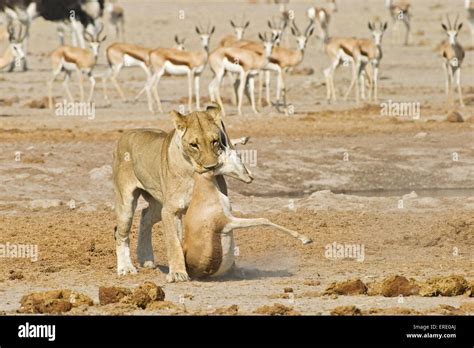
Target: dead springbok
point(14, 52)
point(244, 62)
point(80, 60)
point(208, 242)
point(452, 54)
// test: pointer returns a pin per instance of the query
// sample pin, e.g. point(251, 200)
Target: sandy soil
point(338, 173)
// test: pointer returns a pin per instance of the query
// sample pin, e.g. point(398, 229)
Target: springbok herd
point(240, 59)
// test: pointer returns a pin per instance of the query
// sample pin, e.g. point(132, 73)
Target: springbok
point(400, 12)
point(117, 20)
point(323, 17)
point(208, 225)
point(239, 31)
point(452, 54)
point(176, 62)
point(370, 53)
point(244, 62)
point(14, 52)
point(469, 5)
point(80, 60)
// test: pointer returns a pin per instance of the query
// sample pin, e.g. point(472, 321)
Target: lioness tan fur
point(160, 166)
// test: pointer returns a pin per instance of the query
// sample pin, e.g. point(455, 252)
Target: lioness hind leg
point(125, 206)
point(150, 216)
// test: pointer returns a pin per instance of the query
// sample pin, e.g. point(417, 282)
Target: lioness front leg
point(174, 250)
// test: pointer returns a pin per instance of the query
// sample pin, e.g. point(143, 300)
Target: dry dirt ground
point(339, 173)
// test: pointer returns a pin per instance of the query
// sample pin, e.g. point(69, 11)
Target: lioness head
point(199, 134)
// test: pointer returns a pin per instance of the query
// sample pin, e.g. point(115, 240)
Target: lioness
point(160, 166)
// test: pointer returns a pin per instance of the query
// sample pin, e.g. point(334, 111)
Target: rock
point(53, 302)
point(346, 310)
point(276, 309)
point(444, 286)
point(349, 287)
point(287, 290)
point(421, 135)
point(312, 282)
point(454, 116)
point(101, 173)
point(139, 298)
point(398, 285)
point(15, 275)
point(112, 294)
point(42, 103)
point(155, 292)
point(231, 310)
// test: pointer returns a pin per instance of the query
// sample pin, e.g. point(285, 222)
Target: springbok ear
point(260, 36)
point(247, 24)
point(198, 31)
point(212, 30)
point(232, 23)
point(293, 31)
point(459, 26)
point(179, 121)
point(385, 26)
point(214, 110)
point(269, 24)
point(310, 32)
point(103, 39)
point(444, 26)
point(370, 26)
point(176, 39)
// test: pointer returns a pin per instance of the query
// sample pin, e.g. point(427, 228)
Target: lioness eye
point(194, 145)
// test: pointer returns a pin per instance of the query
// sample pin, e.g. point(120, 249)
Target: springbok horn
point(456, 22)
point(449, 22)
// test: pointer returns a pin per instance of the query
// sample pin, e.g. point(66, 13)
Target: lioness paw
point(173, 277)
point(128, 269)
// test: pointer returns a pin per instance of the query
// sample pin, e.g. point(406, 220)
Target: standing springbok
point(452, 54)
point(323, 17)
point(120, 55)
point(80, 60)
point(469, 5)
point(370, 53)
point(245, 62)
point(175, 63)
point(400, 12)
point(281, 60)
point(239, 31)
point(14, 52)
point(117, 20)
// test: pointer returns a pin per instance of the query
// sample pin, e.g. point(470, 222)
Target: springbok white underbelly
point(131, 61)
point(69, 66)
point(232, 67)
point(173, 69)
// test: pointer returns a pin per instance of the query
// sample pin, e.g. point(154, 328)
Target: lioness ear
point(179, 121)
point(214, 110)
